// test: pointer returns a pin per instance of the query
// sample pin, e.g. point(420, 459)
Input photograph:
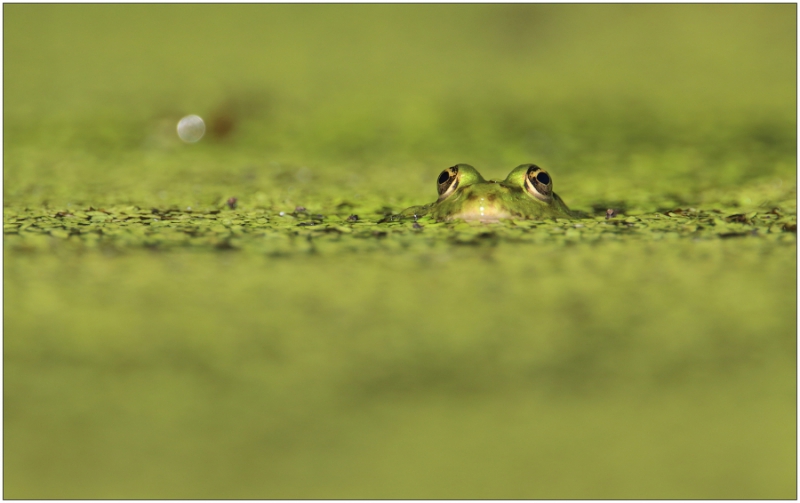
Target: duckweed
point(245, 317)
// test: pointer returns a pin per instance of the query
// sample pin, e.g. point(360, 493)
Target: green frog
point(526, 193)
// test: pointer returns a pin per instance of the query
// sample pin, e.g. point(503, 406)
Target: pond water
point(236, 319)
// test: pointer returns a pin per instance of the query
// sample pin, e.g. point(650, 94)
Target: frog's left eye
point(538, 183)
point(447, 182)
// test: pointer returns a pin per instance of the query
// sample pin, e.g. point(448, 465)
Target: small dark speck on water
point(352, 218)
point(610, 213)
point(790, 227)
point(225, 245)
point(417, 226)
point(299, 209)
point(231, 203)
point(739, 217)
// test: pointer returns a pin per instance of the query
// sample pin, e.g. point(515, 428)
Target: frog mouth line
point(482, 214)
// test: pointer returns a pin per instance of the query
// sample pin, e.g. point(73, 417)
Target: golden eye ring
point(539, 184)
point(447, 182)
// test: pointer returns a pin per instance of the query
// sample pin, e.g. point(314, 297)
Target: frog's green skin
point(465, 195)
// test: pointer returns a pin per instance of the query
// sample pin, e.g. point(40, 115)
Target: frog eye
point(538, 183)
point(447, 182)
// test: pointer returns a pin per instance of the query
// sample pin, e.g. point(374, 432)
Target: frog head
point(526, 193)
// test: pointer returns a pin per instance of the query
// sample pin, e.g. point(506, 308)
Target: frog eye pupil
point(444, 177)
point(543, 178)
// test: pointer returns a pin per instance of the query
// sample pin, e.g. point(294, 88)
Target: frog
point(525, 194)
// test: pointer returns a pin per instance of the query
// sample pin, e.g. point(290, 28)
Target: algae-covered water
point(236, 318)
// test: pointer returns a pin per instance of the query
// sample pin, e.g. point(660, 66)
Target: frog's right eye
point(538, 183)
point(447, 182)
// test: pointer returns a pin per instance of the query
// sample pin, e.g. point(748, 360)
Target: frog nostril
point(543, 178)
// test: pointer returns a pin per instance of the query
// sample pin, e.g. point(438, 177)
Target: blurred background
point(383, 97)
point(627, 370)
